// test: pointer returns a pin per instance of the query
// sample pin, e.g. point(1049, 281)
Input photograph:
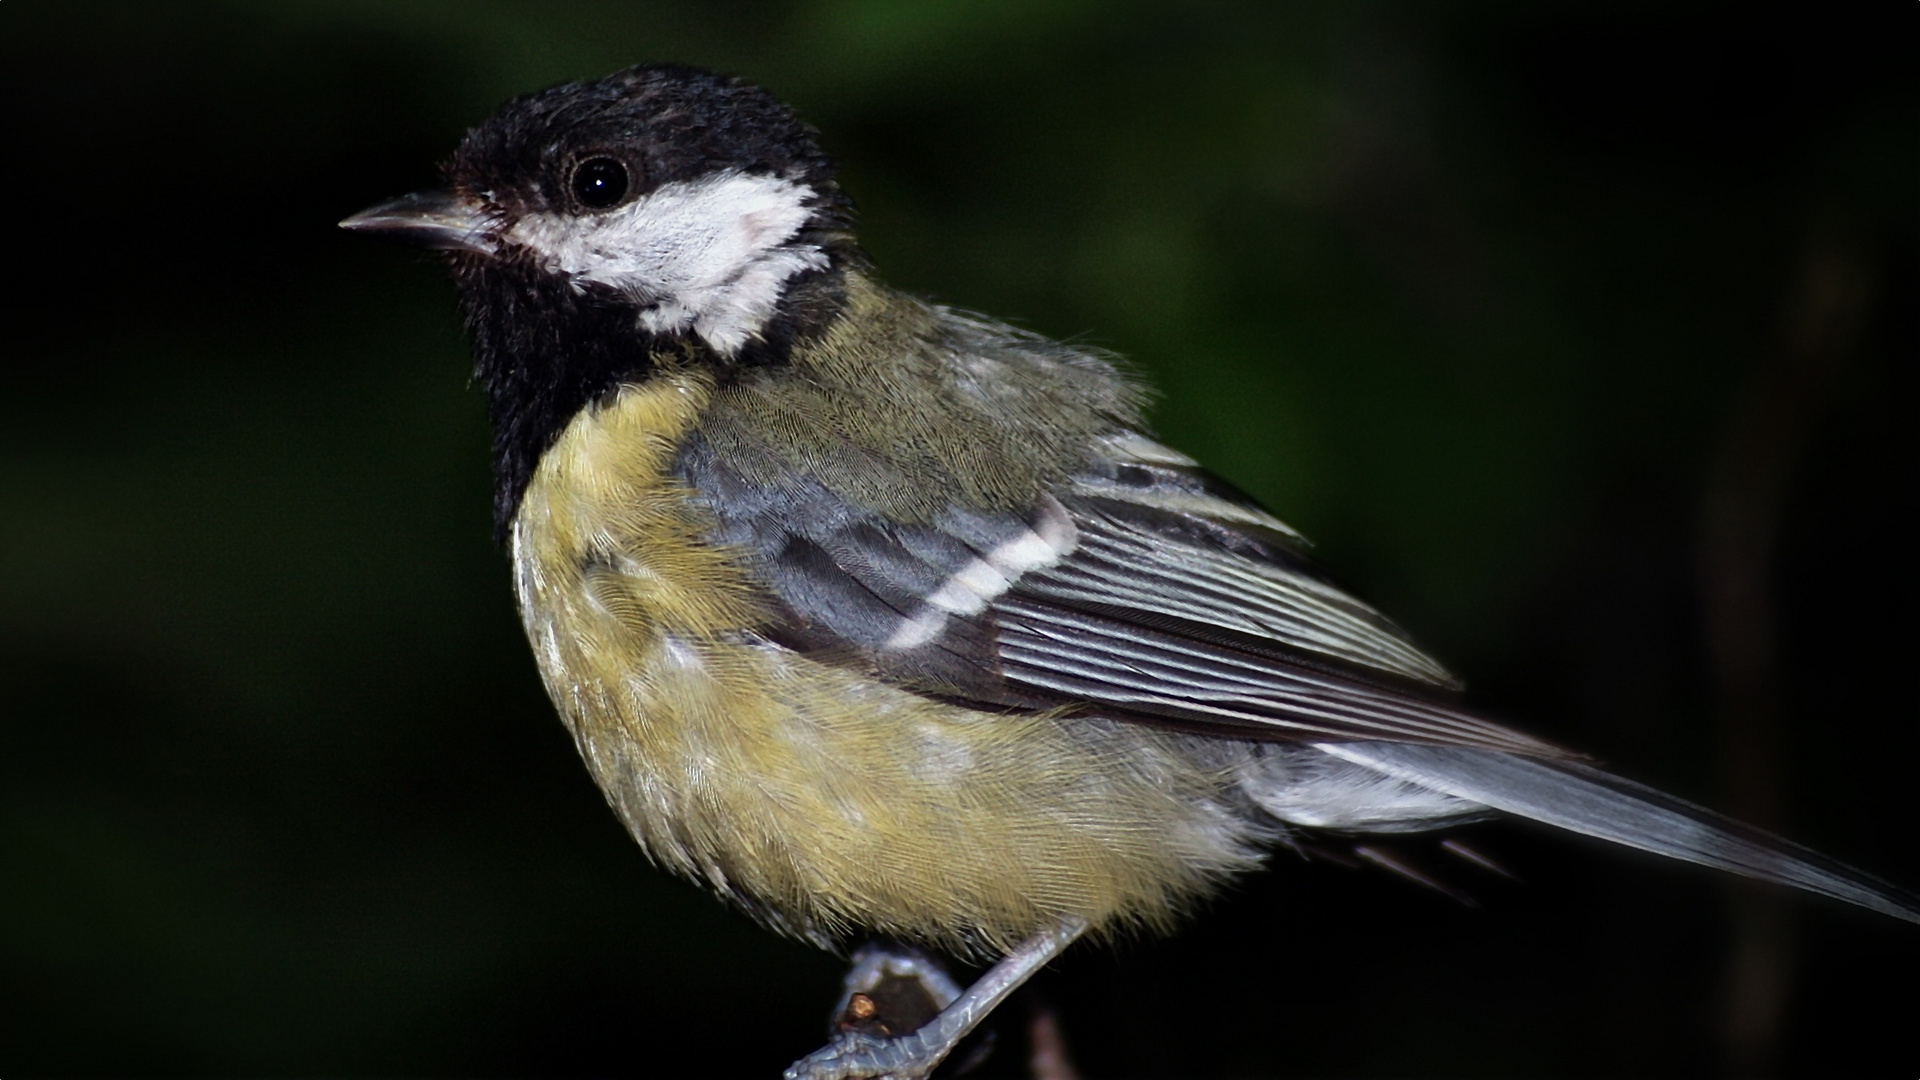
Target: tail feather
point(1585, 800)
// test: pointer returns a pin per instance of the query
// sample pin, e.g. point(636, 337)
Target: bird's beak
point(440, 220)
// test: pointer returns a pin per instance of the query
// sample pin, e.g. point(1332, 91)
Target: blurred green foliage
point(1466, 292)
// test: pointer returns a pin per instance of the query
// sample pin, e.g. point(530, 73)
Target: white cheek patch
point(710, 255)
point(968, 590)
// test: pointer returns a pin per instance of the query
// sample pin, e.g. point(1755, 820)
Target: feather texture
point(820, 799)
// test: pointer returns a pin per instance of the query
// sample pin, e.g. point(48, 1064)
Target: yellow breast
point(821, 798)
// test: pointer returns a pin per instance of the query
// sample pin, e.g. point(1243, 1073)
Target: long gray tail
point(1585, 800)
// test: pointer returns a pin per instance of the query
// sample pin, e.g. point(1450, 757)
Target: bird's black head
point(597, 227)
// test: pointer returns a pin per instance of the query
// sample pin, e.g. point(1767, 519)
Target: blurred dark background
point(1580, 336)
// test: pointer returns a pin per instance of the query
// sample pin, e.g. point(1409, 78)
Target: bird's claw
point(856, 1055)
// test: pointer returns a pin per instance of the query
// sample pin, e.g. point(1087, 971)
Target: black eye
point(599, 183)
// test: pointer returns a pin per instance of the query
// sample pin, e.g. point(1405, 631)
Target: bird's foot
point(856, 1054)
point(888, 995)
point(884, 1031)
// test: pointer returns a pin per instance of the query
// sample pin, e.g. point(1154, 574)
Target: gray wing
point(1147, 590)
point(1144, 589)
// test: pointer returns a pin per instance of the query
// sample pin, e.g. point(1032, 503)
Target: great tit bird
point(882, 618)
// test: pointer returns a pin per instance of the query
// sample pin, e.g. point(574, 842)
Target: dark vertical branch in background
point(1766, 437)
